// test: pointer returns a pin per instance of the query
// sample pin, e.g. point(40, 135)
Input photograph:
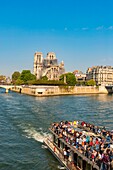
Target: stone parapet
point(102, 89)
point(61, 90)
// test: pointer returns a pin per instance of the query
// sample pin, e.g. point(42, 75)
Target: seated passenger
point(108, 139)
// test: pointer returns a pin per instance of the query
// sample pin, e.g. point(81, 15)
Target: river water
point(24, 123)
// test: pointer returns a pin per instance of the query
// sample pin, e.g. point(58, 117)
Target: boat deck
point(64, 137)
point(57, 153)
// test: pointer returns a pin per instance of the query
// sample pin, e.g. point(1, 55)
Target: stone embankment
point(60, 90)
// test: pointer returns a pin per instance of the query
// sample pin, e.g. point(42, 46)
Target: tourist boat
point(76, 159)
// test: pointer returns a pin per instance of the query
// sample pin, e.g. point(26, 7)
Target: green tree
point(68, 78)
point(26, 76)
point(19, 82)
point(44, 78)
point(90, 82)
point(15, 76)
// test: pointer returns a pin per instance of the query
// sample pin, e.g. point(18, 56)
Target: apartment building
point(102, 75)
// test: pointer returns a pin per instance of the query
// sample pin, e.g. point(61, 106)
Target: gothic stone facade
point(47, 67)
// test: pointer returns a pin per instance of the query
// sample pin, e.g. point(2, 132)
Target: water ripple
point(24, 122)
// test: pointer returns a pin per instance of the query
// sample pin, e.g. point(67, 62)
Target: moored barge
point(81, 146)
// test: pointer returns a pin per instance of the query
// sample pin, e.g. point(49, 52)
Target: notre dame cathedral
point(47, 67)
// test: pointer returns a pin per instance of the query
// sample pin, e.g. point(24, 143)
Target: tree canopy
point(68, 78)
point(44, 78)
point(23, 78)
point(90, 82)
point(15, 76)
point(26, 75)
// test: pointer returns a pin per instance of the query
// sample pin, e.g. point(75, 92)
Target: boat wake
point(44, 147)
point(61, 167)
point(31, 132)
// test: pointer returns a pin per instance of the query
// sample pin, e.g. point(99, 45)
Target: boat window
point(59, 143)
point(75, 158)
point(94, 169)
point(79, 162)
point(55, 140)
point(88, 166)
point(84, 163)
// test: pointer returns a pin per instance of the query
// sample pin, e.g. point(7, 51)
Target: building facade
point(47, 66)
point(102, 75)
point(80, 76)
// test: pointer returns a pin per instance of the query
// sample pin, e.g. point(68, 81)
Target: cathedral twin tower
point(47, 67)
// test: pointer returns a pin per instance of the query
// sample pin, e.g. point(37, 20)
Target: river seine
point(24, 123)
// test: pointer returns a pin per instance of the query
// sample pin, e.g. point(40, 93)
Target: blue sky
point(80, 32)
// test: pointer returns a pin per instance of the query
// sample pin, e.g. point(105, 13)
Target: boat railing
point(94, 165)
point(59, 153)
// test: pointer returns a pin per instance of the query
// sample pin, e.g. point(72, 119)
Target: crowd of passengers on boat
point(96, 143)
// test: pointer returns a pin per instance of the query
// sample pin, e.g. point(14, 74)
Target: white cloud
point(110, 28)
point(100, 28)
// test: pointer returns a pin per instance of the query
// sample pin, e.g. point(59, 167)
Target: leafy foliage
point(15, 76)
point(48, 82)
point(90, 83)
point(19, 82)
point(44, 78)
point(23, 78)
point(70, 79)
point(26, 76)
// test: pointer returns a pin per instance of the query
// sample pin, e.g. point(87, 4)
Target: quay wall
point(60, 90)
